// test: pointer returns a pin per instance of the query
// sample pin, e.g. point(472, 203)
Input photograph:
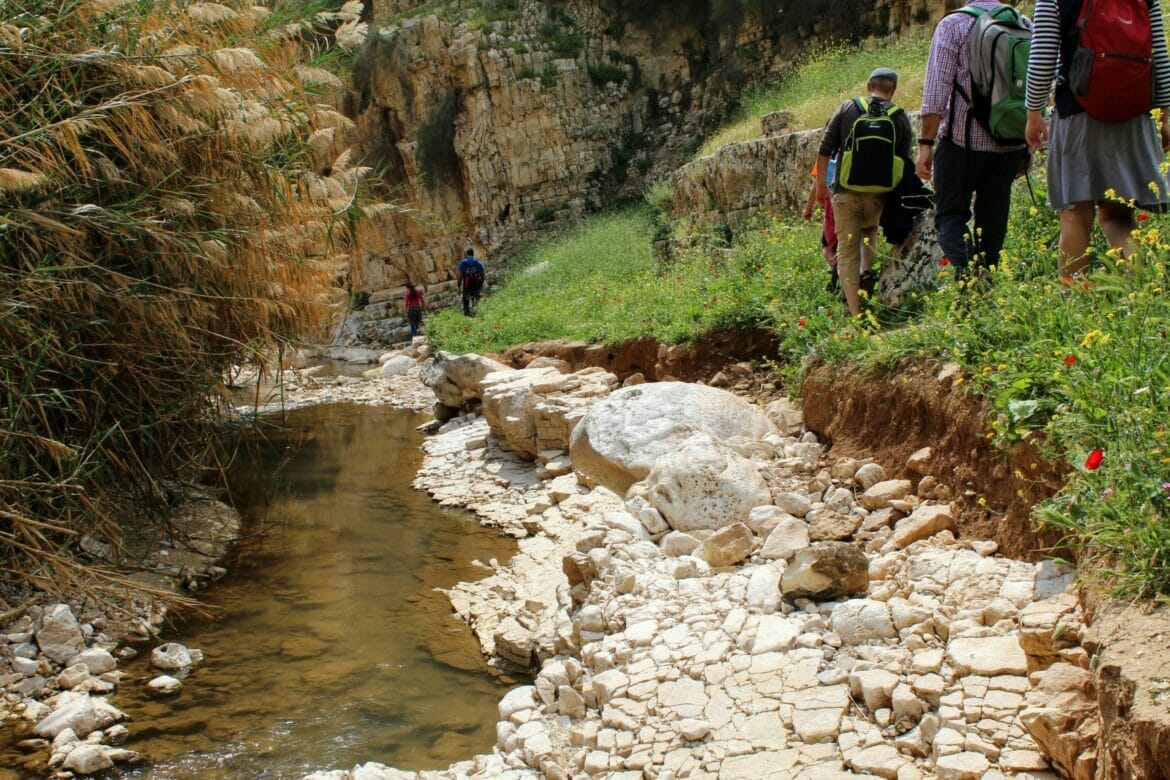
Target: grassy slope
point(1085, 365)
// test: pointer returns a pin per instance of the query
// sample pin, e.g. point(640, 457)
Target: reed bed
point(164, 215)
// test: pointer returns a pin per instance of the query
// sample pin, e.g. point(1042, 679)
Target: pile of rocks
point(56, 672)
point(707, 596)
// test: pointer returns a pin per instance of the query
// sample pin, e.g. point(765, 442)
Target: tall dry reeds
point(160, 220)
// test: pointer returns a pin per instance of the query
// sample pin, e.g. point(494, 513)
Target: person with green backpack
point(873, 140)
point(972, 135)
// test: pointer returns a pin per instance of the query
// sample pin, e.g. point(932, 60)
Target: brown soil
point(864, 414)
point(655, 361)
point(861, 415)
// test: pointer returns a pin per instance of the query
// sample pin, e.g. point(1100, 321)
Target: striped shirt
point(948, 64)
point(1044, 62)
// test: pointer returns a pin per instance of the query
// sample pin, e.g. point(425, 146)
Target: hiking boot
point(866, 282)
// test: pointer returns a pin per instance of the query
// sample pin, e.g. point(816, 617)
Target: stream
point(331, 646)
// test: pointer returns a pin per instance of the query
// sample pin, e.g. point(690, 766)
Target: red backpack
point(1112, 70)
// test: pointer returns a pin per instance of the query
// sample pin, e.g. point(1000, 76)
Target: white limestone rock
point(920, 461)
point(727, 546)
point(924, 522)
point(869, 475)
point(97, 660)
point(171, 656)
point(58, 633)
point(79, 712)
point(88, 759)
point(399, 364)
point(788, 538)
point(882, 493)
point(786, 416)
point(987, 656)
point(623, 436)
point(678, 543)
point(455, 379)
point(863, 620)
point(165, 684)
point(703, 485)
point(794, 504)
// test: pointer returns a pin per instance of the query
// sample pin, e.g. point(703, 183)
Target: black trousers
point(961, 175)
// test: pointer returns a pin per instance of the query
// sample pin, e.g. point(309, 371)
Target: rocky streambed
point(703, 589)
point(706, 591)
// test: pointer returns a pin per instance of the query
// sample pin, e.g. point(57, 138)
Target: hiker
point(470, 280)
point(414, 301)
point(956, 144)
point(1104, 150)
point(828, 226)
point(873, 139)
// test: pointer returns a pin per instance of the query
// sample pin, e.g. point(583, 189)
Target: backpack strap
point(975, 14)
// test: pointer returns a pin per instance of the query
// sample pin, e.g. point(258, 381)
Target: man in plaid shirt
point(965, 160)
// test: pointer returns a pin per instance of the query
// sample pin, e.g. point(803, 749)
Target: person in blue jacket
point(470, 280)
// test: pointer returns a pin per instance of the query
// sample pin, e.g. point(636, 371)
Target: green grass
point(814, 90)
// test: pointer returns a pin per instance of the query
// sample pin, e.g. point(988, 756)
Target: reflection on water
point(332, 647)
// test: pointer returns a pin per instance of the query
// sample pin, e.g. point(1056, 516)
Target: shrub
point(604, 73)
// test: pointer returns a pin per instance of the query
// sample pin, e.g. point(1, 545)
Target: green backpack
point(999, 43)
point(870, 162)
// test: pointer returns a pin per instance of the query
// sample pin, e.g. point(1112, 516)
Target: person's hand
point(822, 192)
point(809, 209)
point(1165, 135)
point(925, 164)
point(1036, 131)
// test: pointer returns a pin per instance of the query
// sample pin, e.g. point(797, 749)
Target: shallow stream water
point(331, 646)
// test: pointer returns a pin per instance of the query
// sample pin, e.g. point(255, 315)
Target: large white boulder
point(455, 378)
point(623, 436)
point(704, 485)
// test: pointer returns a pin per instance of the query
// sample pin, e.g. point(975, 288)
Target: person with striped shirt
point(965, 161)
point(1106, 165)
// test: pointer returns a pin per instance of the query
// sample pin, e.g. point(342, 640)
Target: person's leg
point(993, 202)
point(848, 212)
point(466, 303)
point(871, 218)
point(1076, 225)
point(1117, 223)
point(953, 188)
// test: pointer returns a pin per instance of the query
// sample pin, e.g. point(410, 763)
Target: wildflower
point(1070, 360)
point(1143, 216)
point(1093, 462)
point(802, 322)
point(1107, 492)
point(945, 261)
point(1166, 485)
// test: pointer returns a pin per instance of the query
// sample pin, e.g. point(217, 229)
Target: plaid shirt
point(950, 57)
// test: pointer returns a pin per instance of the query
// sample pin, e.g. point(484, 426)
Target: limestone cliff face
point(498, 119)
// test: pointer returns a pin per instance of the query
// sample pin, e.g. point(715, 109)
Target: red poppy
point(1070, 360)
point(945, 261)
point(1143, 217)
point(802, 322)
point(1093, 462)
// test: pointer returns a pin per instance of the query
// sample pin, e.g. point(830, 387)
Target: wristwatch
point(926, 142)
